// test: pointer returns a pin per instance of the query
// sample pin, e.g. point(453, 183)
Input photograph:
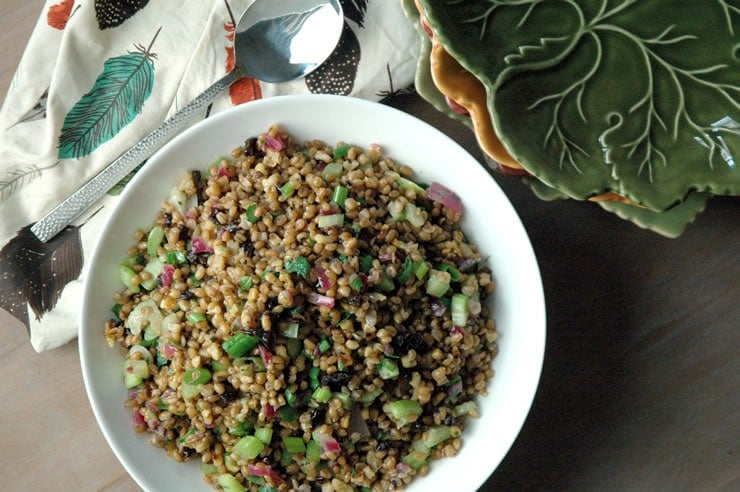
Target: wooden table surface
point(641, 382)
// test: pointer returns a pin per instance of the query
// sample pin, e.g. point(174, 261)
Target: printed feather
point(115, 99)
point(113, 13)
point(338, 73)
point(34, 274)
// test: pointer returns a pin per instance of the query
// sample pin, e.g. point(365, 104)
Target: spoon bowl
point(275, 41)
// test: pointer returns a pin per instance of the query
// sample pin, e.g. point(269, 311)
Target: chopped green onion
point(248, 447)
point(332, 220)
point(251, 213)
point(386, 283)
point(345, 399)
point(438, 283)
point(228, 483)
point(287, 414)
point(245, 283)
point(416, 459)
point(290, 396)
point(366, 263)
point(218, 366)
point(154, 240)
point(322, 394)
point(185, 436)
point(324, 345)
point(162, 405)
point(332, 170)
point(264, 274)
point(387, 369)
point(294, 346)
point(127, 274)
point(287, 189)
point(436, 435)
point(242, 429)
point(407, 184)
point(239, 344)
point(368, 397)
point(403, 412)
point(195, 317)
point(299, 266)
point(264, 434)
point(459, 309)
point(258, 363)
point(313, 377)
point(340, 195)
point(355, 282)
point(116, 310)
point(175, 258)
point(341, 151)
point(294, 445)
point(405, 274)
point(196, 375)
point(454, 272)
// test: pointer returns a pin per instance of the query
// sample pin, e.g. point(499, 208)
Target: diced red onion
point(332, 209)
point(132, 394)
point(456, 330)
point(274, 142)
point(439, 193)
point(403, 468)
point(269, 411)
point(151, 406)
point(168, 272)
point(168, 350)
point(321, 300)
point(223, 171)
point(262, 470)
point(138, 418)
point(386, 257)
point(328, 443)
point(466, 264)
point(266, 355)
point(454, 389)
point(322, 277)
point(438, 309)
point(200, 246)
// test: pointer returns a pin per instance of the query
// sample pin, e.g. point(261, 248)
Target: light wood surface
point(641, 382)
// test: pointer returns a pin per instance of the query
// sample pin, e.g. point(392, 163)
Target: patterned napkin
point(98, 76)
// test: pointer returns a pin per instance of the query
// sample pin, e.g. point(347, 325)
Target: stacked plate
point(631, 105)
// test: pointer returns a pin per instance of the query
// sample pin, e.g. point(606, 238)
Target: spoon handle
point(92, 191)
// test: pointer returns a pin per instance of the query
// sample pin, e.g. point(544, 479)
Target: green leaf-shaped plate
point(636, 97)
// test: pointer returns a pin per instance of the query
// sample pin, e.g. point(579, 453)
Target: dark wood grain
point(640, 387)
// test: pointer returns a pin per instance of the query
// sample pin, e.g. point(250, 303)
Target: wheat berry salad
point(305, 316)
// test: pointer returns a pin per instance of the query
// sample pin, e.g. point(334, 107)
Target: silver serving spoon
point(275, 41)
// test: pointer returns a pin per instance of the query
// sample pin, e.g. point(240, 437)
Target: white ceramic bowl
point(489, 220)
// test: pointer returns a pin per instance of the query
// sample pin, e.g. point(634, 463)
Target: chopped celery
point(264, 434)
point(134, 371)
point(407, 184)
point(195, 317)
point(324, 345)
point(127, 274)
point(459, 309)
point(290, 330)
point(332, 170)
point(248, 447)
point(239, 344)
point(403, 412)
point(145, 313)
point(387, 369)
point(395, 209)
point(287, 189)
point(345, 399)
point(413, 215)
point(154, 268)
point(415, 459)
point(340, 195)
point(190, 391)
point(436, 435)
point(229, 483)
point(421, 270)
point(467, 408)
point(294, 445)
point(322, 394)
point(196, 375)
point(438, 283)
point(154, 240)
point(313, 451)
point(332, 220)
point(386, 283)
point(219, 366)
point(368, 397)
